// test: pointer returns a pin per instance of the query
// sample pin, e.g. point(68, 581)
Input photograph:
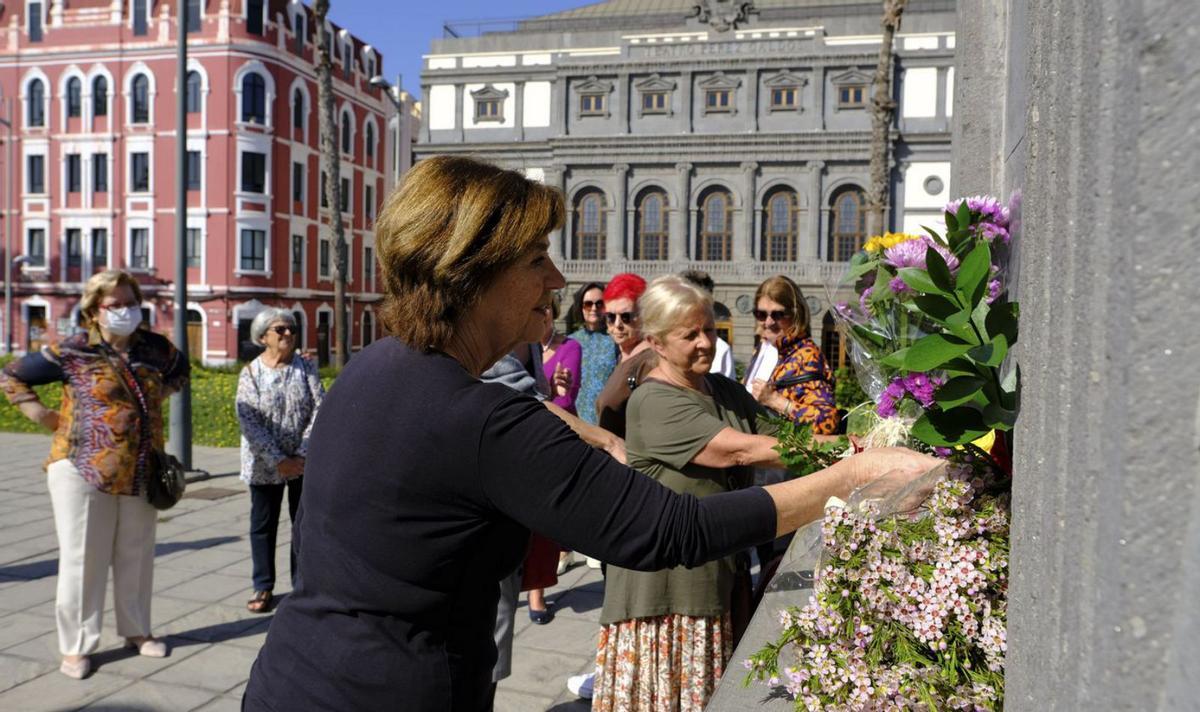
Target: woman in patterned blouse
point(277, 399)
point(104, 433)
point(801, 385)
point(599, 352)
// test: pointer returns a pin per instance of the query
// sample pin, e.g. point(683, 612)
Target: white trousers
point(97, 530)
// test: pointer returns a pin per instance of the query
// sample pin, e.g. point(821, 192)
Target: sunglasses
point(589, 304)
point(626, 317)
point(281, 330)
point(776, 314)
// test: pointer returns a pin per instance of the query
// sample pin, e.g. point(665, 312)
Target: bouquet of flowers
point(909, 604)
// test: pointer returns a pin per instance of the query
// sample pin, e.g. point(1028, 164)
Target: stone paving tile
point(115, 659)
point(209, 588)
point(218, 668)
point(203, 560)
point(14, 670)
point(540, 672)
point(29, 593)
point(212, 623)
point(17, 628)
point(513, 701)
point(223, 704)
point(43, 546)
point(151, 695)
point(54, 692)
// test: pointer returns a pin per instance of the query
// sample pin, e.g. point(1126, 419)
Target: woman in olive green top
point(666, 635)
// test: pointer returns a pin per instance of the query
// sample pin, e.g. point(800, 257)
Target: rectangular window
point(591, 104)
point(74, 173)
point(324, 190)
point(254, 17)
point(139, 16)
point(35, 22)
point(254, 250)
point(99, 172)
point(345, 196)
point(300, 33)
point(369, 267)
point(74, 247)
point(654, 102)
point(99, 248)
point(35, 250)
point(254, 172)
point(193, 16)
point(193, 170)
point(783, 98)
point(718, 99)
point(139, 248)
point(369, 202)
point(139, 172)
point(298, 182)
point(297, 254)
point(36, 174)
point(193, 247)
point(850, 97)
point(488, 110)
point(323, 258)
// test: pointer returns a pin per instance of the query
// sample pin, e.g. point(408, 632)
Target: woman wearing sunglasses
point(801, 384)
point(599, 356)
point(277, 399)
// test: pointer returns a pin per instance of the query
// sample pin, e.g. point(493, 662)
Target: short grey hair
point(264, 319)
point(667, 301)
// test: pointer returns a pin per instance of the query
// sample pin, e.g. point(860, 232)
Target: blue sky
point(403, 30)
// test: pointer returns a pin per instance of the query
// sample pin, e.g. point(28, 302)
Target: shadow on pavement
point(49, 567)
point(580, 599)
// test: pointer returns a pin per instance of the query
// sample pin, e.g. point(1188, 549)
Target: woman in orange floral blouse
point(104, 434)
point(801, 386)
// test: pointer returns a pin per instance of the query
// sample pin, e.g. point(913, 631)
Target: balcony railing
point(802, 271)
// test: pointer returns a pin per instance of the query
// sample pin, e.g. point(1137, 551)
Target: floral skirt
point(667, 663)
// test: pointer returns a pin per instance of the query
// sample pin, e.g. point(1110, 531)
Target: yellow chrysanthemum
point(879, 243)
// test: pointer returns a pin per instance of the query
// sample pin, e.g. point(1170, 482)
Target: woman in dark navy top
point(423, 483)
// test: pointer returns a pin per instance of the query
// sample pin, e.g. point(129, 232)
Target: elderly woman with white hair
point(277, 399)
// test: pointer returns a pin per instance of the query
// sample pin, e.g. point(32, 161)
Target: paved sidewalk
point(201, 583)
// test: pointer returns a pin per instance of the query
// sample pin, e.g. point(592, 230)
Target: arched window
point(847, 228)
point(74, 98)
point(347, 142)
point(193, 92)
point(781, 233)
point(298, 111)
point(590, 226)
point(141, 99)
point(832, 344)
point(716, 226)
point(100, 96)
point(254, 99)
point(369, 139)
point(36, 97)
point(651, 240)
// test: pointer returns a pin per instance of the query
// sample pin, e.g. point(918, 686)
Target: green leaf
point(1002, 319)
point(938, 271)
point(958, 391)
point(990, 354)
point(868, 335)
point(932, 351)
point(858, 270)
point(895, 359)
point(972, 272)
point(919, 280)
point(938, 307)
point(947, 428)
point(951, 223)
point(962, 366)
point(934, 234)
point(996, 417)
point(964, 215)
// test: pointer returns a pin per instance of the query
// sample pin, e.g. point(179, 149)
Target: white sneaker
point(564, 563)
point(593, 563)
point(581, 685)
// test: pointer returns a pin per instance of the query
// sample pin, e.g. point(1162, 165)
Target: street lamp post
point(181, 403)
point(9, 260)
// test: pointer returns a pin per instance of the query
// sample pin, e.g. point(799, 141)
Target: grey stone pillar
point(677, 245)
point(459, 122)
point(810, 242)
point(752, 107)
point(558, 239)
point(1093, 133)
point(819, 95)
point(558, 106)
point(616, 226)
point(519, 111)
point(425, 118)
point(685, 100)
point(743, 245)
point(623, 92)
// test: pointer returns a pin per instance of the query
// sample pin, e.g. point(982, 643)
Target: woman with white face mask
point(115, 378)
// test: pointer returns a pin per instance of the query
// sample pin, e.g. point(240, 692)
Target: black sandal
point(261, 603)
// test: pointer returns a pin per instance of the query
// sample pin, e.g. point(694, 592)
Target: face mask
point(123, 321)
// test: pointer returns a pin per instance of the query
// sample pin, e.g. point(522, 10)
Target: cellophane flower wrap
point(909, 604)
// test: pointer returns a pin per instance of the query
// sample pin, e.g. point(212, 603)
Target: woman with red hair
point(620, 307)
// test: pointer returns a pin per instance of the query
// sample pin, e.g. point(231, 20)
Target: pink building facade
point(93, 92)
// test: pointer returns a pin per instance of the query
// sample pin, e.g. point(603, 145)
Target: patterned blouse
point(276, 408)
point(599, 360)
point(812, 401)
point(99, 426)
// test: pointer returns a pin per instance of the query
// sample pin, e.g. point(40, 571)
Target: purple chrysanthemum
point(993, 291)
point(988, 208)
point(912, 254)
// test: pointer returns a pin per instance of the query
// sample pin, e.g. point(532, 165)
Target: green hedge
point(214, 418)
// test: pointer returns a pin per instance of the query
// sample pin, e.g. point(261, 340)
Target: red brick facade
point(94, 160)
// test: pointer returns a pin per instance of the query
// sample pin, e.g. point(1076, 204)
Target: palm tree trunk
point(331, 161)
point(883, 109)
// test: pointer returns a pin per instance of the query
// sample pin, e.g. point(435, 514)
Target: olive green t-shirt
point(667, 426)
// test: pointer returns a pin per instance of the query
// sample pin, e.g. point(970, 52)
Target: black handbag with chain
point(165, 481)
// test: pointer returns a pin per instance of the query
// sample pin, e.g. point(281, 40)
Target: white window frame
point(151, 92)
point(131, 224)
point(263, 224)
point(260, 69)
point(36, 224)
point(24, 98)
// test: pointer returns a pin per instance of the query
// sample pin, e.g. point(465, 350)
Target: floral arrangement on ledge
point(909, 608)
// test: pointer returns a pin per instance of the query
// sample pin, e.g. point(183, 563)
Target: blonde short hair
point(442, 238)
point(667, 301)
point(100, 286)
